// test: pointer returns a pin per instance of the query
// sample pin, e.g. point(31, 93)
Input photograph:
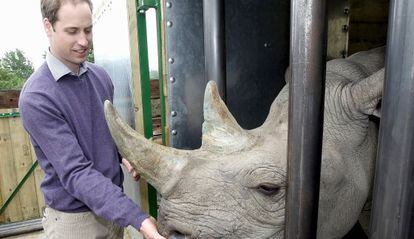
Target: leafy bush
point(15, 69)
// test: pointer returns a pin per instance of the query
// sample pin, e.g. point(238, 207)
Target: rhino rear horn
point(159, 165)
point(367, 93)
point(221, 132)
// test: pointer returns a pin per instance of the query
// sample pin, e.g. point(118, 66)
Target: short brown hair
point(49, 8)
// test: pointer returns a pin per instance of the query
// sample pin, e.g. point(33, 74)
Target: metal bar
point(18, 187)
point(146, 88)
point(214, 44)
point(18, 228)
point(393, 203)
point(306, 102)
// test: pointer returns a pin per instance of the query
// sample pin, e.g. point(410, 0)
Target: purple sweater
point(73, 145)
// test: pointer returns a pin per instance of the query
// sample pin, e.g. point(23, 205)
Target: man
point(61, 106)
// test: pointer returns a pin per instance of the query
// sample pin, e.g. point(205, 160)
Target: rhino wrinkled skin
point(234, 186)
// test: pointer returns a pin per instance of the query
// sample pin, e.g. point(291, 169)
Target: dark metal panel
point(393, 205)
point(214, 44)
point(257, 45)
point(306, 101)
point(185, 69)
point(257, 54)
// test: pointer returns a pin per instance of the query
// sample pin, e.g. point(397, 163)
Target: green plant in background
point(15, 69)
point(91, 57)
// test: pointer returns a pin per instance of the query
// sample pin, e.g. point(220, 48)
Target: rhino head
point(234, 185)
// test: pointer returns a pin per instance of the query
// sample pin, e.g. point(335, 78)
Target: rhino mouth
point(178, 235)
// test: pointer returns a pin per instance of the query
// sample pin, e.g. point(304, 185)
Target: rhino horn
point(367, 93)
point(159, 165)
point(221, 132)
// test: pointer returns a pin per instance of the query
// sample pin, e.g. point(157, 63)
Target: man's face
point(71, 35)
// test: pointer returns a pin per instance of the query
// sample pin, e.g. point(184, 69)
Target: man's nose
point(83, 40)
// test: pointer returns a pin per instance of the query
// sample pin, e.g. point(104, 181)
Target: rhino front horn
point(159, 165)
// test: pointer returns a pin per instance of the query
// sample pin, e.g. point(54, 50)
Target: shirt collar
point(59, 69)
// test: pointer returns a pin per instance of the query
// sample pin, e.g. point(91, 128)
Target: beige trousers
point(83, 225)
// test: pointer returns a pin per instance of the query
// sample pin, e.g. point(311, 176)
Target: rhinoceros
point(234, 185)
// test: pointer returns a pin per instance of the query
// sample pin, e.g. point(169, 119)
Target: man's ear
point(47, 26)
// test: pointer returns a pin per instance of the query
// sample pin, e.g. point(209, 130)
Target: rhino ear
point(288, 74)
point(221, 132)
point(367, 93)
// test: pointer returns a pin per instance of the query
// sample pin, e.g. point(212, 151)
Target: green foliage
point(90, 57)
point(16, 62)
point(9, 81)
point(15, 69)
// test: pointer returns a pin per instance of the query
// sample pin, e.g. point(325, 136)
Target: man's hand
point(149, 229)
point(131, 170)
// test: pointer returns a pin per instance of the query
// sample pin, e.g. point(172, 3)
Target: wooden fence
point(16, 158)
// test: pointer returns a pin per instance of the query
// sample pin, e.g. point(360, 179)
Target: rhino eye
point(268, 189)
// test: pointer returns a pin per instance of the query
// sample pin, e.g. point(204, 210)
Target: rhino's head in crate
point(234, 186)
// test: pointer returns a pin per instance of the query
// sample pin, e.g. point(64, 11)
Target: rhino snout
point(177, 235)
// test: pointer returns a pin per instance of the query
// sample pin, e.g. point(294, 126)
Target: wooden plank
point(368, 24)
point(156, 126)
point(9, 99)
point(155, 88)
point(2, 218)
point(369, 10)
point(372, 32)
point(365, 36)
point(135, 65)
point(136, 79)
point(38, 176)
point(155, 108)
point(23, 162)
point(8, 181)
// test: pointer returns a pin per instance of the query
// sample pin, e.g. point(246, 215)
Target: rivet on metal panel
point(168, 4)
point(173, 113)
point(174, 132)
point(343, 53)
point(171, 60)
point(345, 28)
point(172, 79)
point(169, 23)
point(346, 11)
